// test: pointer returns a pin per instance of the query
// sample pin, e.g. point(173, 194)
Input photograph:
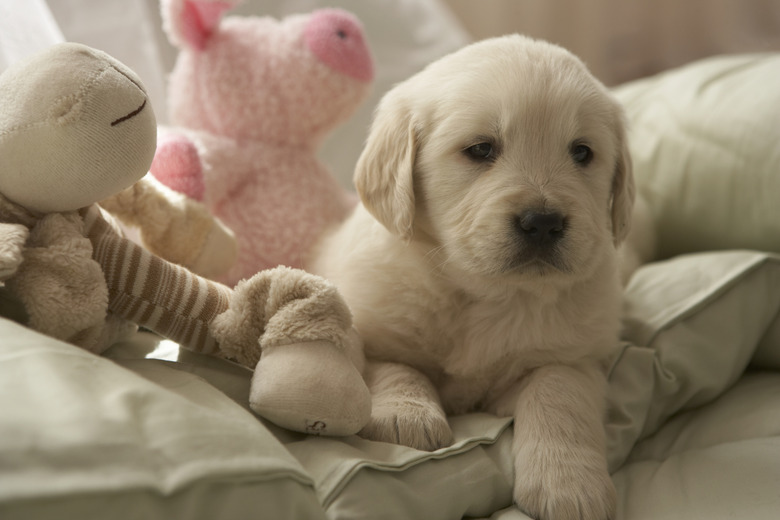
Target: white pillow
point(705, 141)
point(82, 436)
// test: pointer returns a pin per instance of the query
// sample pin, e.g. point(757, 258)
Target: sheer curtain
point(25, 28)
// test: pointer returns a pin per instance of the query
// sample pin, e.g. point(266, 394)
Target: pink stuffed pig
point(251, 100)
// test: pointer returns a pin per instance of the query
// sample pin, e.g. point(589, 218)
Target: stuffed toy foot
point(296, 330)
point(311, 387)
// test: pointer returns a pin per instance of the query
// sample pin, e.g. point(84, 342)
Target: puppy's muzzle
point(540, 229)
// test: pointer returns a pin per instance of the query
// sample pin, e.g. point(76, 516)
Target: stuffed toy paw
point(61, 286)
point(308, 369)
point(12, 240)
point(175, 227)
point(251, 101)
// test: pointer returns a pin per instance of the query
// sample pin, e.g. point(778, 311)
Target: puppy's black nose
point(540, 228)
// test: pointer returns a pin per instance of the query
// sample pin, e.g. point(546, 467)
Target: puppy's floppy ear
point(383, 176)
point(623, 190)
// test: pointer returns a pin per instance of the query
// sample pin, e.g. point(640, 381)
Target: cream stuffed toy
point(76, 127)
point(251, 99)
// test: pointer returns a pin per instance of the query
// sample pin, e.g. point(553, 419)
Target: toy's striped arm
point(308, 378)
point(159, 295)
point(175, 227)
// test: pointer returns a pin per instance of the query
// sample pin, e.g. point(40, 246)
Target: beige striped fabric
point(143, 288)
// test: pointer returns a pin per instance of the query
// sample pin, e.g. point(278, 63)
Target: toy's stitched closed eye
point(130, 115)
point(139, 86)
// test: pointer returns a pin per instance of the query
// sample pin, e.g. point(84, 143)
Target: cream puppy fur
point(481, 267)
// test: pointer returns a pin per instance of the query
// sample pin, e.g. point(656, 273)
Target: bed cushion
point(174, 439)
point(693, 325)
point(150, 438)
point(717, 461)
point(86, 437)
point(358, 479)
point(691, 433)
point(704, 141)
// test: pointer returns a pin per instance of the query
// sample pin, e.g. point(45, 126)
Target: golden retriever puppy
point(481, 267)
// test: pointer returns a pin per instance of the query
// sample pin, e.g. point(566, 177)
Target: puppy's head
point(508, 156)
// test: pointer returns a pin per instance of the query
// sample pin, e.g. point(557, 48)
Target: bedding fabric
point(691, 434)
point(88, 437)
point(704, 143)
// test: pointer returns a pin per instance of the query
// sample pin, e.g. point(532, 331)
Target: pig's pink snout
point(336, 38)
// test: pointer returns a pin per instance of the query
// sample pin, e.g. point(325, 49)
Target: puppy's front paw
point(558, 486)
point(420, 425)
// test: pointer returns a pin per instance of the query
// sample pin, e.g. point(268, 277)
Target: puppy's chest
point(499, 332)
point(492, 346)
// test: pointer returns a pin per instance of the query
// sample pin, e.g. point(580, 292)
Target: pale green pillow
point(705, 140)
point(83, 437)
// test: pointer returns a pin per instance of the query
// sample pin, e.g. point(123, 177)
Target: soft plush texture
point(281, 309)
point(60, 287)
point(74, 94)
point(62, 113)
point(704, 141)
point(251, 100)
point(12, 243)
point(74, 276)
point(174, 227)
point(309, 362)
point(76, 127)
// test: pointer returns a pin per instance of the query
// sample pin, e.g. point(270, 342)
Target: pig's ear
point(190, 23)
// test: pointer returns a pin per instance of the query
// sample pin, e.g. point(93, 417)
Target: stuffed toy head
point(264, 79)
point(251, 99)
point(58, 147)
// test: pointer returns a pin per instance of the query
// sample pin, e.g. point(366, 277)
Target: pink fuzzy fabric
point(338, 41)
point(256, 96)
point(177, 160)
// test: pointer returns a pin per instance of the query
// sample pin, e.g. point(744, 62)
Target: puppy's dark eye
point(581, 154)
point(480, 152)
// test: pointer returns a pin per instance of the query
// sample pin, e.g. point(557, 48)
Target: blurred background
point(620, 40)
